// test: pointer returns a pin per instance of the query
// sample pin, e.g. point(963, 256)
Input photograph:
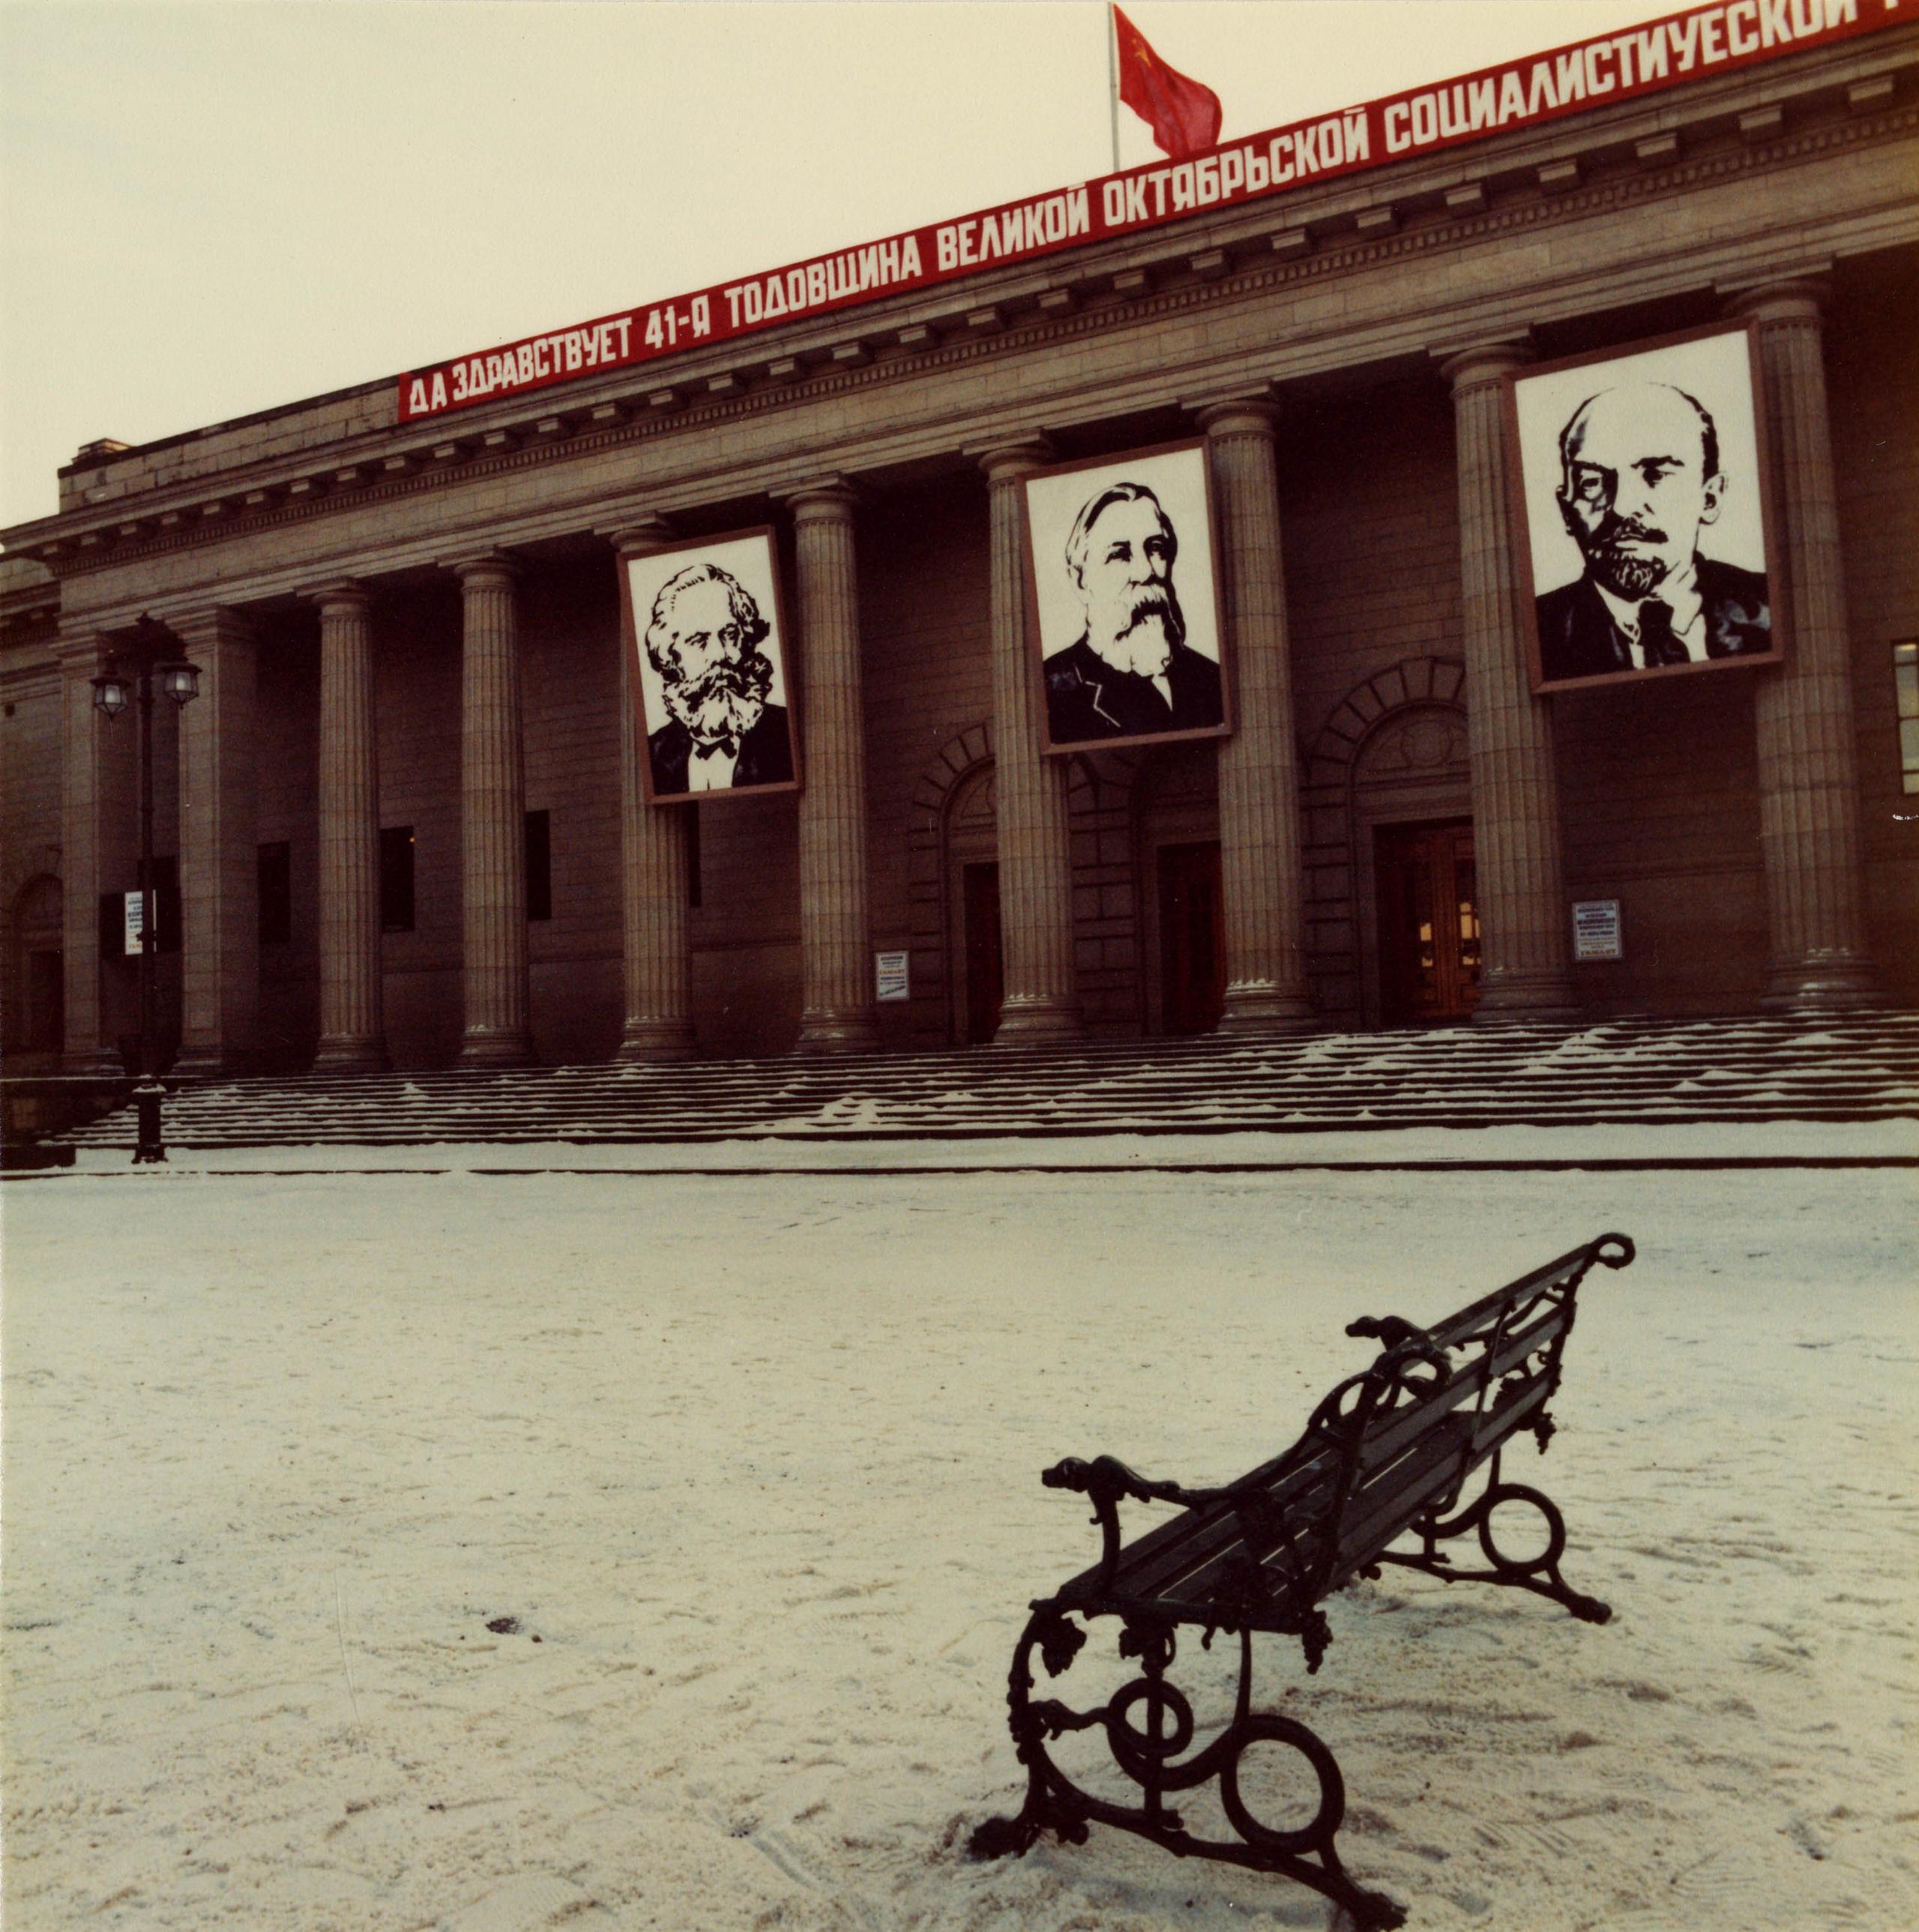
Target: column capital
point(641, 535)
point(1467, 365)
point(1016, 455)
point(80, 648)
point(338, 593)
point(1790, 298)
point(1253, 414)
point(212, 623)
point(485, 567)
point(829, 497)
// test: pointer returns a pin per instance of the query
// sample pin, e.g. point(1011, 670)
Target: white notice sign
point(890, 975)
point(1596, 930)
point(135, 904)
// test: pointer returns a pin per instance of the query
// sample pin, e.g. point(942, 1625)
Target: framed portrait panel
point(1123, 603)
point(1641, 494)
point(705, 634)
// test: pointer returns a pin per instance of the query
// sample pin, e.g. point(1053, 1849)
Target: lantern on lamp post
point(154, 653)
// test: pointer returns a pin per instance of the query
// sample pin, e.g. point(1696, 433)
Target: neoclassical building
point(402, 823)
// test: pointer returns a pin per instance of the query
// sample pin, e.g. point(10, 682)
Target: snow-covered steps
point(1859, 1068)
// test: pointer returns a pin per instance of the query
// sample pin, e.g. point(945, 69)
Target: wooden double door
point(1428, 922)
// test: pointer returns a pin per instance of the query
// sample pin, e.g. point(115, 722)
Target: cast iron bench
point(1387, 1453)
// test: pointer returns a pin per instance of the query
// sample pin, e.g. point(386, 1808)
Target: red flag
point(1183, 116)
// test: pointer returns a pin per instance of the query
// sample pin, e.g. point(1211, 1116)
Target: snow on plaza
point(488, 1551)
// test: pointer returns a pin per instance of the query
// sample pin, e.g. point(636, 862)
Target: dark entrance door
point(1429, 922)
point(1192, 938)
point(985, 971)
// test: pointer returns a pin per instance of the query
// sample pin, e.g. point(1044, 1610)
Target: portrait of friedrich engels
point(1130, 672)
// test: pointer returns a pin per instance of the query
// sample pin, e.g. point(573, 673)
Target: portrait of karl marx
point(1130, 673)
point(704, 639)
point(1640, 480)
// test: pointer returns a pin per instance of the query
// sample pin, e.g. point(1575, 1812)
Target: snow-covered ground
point(751, 1462)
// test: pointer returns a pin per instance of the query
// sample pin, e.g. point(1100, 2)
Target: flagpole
point(1113, 78)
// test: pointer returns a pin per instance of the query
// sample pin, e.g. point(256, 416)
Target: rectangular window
point(396, 878)
point(275, 869)
point(1905, 683)
point(539, 865)
point(692, 812)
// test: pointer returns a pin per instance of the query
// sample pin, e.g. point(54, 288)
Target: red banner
point(1641, 60)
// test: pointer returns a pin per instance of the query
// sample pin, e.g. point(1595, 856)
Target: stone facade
point(414, 630)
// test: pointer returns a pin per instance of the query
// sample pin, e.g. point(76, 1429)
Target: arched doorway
point(975, 959)
point(38, 1021)
point(1179, 866)
point(1410, 813)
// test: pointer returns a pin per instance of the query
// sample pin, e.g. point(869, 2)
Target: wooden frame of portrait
point(754, 551)
point(1044, 638)
point(1534, 470)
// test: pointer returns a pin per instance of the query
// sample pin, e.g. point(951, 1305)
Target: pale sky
point(210, 207)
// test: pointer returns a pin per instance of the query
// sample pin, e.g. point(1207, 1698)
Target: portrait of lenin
point(1643, 486)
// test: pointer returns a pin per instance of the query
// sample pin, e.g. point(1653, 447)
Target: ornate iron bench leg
point(1148, 1723)
point(1540, 1574)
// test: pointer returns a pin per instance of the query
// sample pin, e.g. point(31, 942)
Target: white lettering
point(1773, 29)
point(1358, 136)
point(768, 302)
point(1258, 172)
point(1397, 140)
point(1652, 48)
point(416, 398)
point(439, 401)
point(1112, 199)
point(1156, 181)
point(1541, 95)
point(1205, 178)
point(948, 241)
point(1078, 213)
point(1711, 47)
point(1743, 37)
point(1622, 52)
point(1426, 119)
point(702, 320)
point(1231, 172)
point(815, 284)
point(1572, 77)
point(1182, 186)
point(1511, 97)
point(1684, 36)
point(1306, 146)
point(1595, 84)
point(1280, 151)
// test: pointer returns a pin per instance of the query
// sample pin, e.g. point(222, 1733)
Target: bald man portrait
point(1640, 481)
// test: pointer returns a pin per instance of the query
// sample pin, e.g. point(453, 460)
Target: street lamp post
point(153, 652)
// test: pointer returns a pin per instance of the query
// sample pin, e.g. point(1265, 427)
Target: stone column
point(1261, 875)
point(96, 788)
point(1809, 790)
point(1523, 917)
point(351, 1035)
point(219, 856)
point(1041, 1000)
point(493, 819)
point(653, 844)
point(836, 1014)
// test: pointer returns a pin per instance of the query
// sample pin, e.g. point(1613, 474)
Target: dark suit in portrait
point(1087, 699)
point(1579, 637)
point(765, 755)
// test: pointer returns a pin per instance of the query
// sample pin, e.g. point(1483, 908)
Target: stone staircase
point(1858, 1067)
